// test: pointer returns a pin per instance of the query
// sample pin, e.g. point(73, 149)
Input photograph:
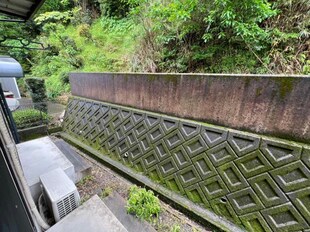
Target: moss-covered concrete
point(274, 105)
point(233, 172)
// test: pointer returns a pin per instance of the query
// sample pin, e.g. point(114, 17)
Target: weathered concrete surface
point(271, 105)
point(40, 156)
point(260, 182)
point(92, 216)
point(117, 205)
point(81, 168)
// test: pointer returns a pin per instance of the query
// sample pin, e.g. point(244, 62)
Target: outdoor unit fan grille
point(60, 193)
point(66, 206)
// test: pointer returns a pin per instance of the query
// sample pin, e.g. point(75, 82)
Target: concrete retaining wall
point(258, 182)
point(268, 105)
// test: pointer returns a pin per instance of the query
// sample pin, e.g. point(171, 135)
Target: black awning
point(24, 9)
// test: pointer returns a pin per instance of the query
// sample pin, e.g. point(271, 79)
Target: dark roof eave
point(27, 14)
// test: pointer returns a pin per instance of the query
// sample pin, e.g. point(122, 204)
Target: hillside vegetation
point(221, 36)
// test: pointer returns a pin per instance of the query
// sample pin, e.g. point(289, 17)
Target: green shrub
point(29, 117)
point(144, 204)
point(84, 31)
point(37, 90)
point(175, 228)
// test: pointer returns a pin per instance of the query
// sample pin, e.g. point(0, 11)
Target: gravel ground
point(102, 178)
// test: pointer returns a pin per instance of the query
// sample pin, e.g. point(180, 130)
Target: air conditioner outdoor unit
point(60, 193)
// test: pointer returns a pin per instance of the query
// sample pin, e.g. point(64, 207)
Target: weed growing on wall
point(143, 203)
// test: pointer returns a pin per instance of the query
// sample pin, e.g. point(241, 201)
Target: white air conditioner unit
point(60, 193)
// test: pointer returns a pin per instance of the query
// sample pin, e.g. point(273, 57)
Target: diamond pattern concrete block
point(189, 130)
point(93, 135)
point(125, 114)
point(131, 138)
point(284, 218)
point(145, 144)
point(161, 150)
point(109, 129)
point(206, 163)
point(156, 133)
point(245, 201)
point(195, 146)
point(137, 117)
point(280, 153)
point(180, 157)
point(204, 166)
point(188, 176)
point(232, 177)
point(115, 156)
point(222, 207)
point(140, 129)
point(155, 174)
point(169, 124)
point(267, 190)
point(152, 120)
point(214, 187)
point(167, 167)
point(71, 104)
point(122, 147)
point(82, 109)
point(254, 222)
point(127, 125)
point(111, 142)
point(138, 166)
point(221, 154)
point(134, 153)
point(105, 119)
point(195, 194)
point(174, 184)
point(150, 159)
point(301, 200)
point(292, 176)
point(102, 137)
point(100, 125)
point(119, 133)
point(114, 110)
point(104, 148)
point(174, 139)
point(306, 156)
point(88, 107)
point(243, 143)
point(103, 110)
point(94, 109)
point(253, 164)
point(213, 136)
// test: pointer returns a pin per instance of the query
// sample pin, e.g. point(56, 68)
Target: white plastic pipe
point(17, 166)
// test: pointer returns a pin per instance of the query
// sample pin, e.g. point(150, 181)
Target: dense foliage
point(36, 88)
point(29, 117)
point(144, 204)
point(224, 36)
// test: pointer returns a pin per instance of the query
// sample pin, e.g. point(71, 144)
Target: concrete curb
point(182, 203)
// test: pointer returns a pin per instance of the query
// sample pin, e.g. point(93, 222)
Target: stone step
point(117, 205)
point(92, 216)
point(81, 168)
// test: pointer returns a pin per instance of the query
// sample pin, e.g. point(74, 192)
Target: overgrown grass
point(106, 47)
